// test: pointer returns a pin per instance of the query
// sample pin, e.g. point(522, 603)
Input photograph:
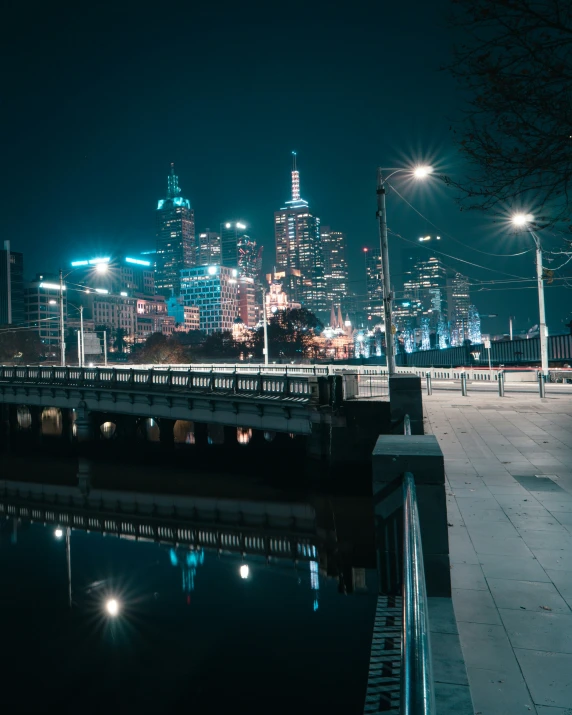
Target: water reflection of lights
point(243, 435)
point(112, 607)
point(244, 571)
point(58, 533)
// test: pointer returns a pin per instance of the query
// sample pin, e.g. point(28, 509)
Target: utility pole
point(82, 357)
point(510, 319)
point(265, 324)
point(62, 337)
point(387, 296)
point(541, 309)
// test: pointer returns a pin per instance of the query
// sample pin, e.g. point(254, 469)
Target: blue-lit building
point(131, 274)
point(214, 291)
point(299, 250)
point(175, 238)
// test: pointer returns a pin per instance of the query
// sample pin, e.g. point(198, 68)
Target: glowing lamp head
point(521, 219)
point(101, 267)
point(58, 533)
point(244, 571)
point(422, 172)
point(112, 607)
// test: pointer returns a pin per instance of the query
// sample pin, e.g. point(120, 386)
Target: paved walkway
point(509, 469)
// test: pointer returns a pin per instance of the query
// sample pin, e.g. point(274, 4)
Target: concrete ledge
point(421, 455)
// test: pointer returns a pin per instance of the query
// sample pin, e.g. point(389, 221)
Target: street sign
point(91, 344)
point(487, 344)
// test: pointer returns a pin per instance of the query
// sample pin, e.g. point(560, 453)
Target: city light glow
point(95, 261)
point(138, 261)
point(101, 267)
point(521, 219)
point(51, 286)
point(244, 571)
point(421, 172)
point(112, 607)
point(75, 264)
point(58, 533)
point(101, 290)
point(212, 270)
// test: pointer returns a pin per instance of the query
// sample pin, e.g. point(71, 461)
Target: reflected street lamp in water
point(244, 571)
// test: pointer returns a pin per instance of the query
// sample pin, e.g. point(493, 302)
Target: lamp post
point(265, 325)
point(419, 172)
point(525, 221)
point(101, 266)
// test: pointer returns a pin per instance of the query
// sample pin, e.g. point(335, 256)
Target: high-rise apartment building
point(175, 238)
point(42, 307)
point(11, 287)
point(239, 250)
point(459, 304)
point(334, 251)
point(208, 250)
point(214, 291)
point(427, 283)
point(374, 283)
point(298, 248)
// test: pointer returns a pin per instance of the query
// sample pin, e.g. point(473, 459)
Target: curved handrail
point(417, 694)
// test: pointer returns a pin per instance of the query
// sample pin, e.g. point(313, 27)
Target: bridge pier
point(167, 433)
point(83, 424)
point(36, 424)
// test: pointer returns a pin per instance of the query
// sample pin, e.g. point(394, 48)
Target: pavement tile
point(497, 693)
point(487, 646)
point(442, 616)
point(548, 676)
point(518, 568)
point(536, 630)
point(447, 657)
point(545, 710)
point(511, 546)
point(469, 576)
point(554, 559)
point(527, 595)
point(558, 539)
point(475, 606)
point(563, 582)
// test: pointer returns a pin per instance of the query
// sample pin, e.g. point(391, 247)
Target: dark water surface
point(191, 634)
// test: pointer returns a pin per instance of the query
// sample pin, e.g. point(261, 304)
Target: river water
point(96, 622)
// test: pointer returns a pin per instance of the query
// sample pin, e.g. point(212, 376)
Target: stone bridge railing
point(299, 388)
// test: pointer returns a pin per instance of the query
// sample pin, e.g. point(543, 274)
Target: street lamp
point(526, 221)
point(264, 325)
point(418, 172)
point(101, 266)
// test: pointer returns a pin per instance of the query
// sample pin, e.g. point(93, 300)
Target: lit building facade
point(116, 274)
point(208, 250)
point(12, 311)
point(249, 301)
point(374, 283)
point(117, 312)
point(186, 317)
point(298, 248)
point(175, 238)
point(428, 285)
point(42, 309)
point(231, 232)
point(334, 251)
point(277, 299)
point(214, 291)
point(459, 303)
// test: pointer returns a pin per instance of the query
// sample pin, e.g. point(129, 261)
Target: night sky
point(99, 99)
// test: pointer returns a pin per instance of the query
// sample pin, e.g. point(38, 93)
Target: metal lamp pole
point(541, 308)
point(82, 355)
point(62, 337)
point(387, 296)
point(265, 325)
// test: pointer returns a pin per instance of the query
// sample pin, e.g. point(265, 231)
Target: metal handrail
point(417, 693)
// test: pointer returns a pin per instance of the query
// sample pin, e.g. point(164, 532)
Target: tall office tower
point(11, 287)
point(334, 251)
point(249, 258)
point(298, 248)
point(374, 283)
point(459, 302)
point(231, 232)
point(42, 309)
point(427, 283)
point(175, 238)
point(214, 291)
point(208, 248)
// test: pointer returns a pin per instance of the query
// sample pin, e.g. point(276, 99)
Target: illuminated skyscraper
point(11, 286)
point(239, 250)
point(175, 238)
point(298, 248)
point(459, 302)
point(427, 284)
point(374, 283)
point(335, 264)
point(208, 248)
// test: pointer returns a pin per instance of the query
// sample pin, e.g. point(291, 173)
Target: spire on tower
point(333, 317)
point(173, 184)
point(295, 179)
point(340, 321)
